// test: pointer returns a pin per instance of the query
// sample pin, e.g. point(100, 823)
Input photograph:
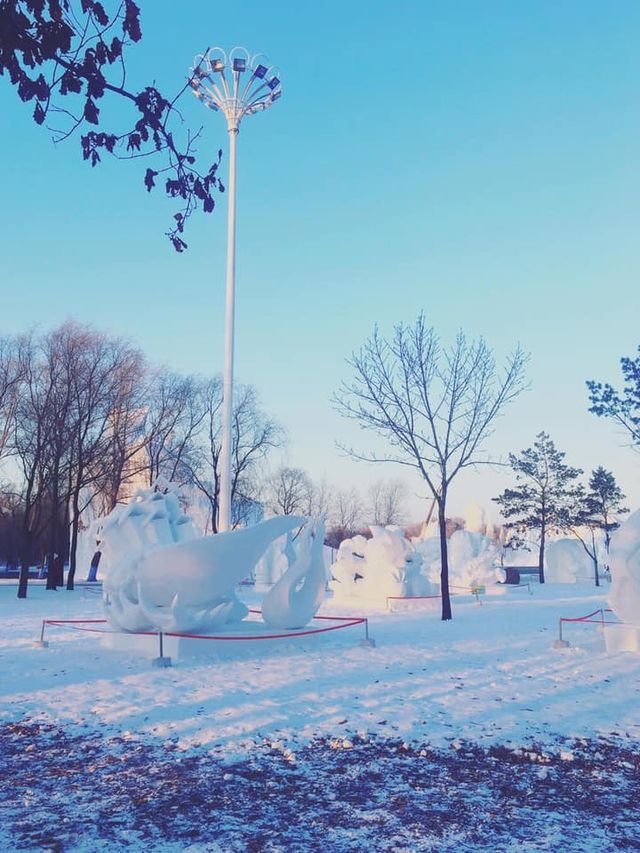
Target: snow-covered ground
point(489, 679)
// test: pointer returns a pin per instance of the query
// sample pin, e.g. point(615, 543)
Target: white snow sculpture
point(374, 569)
point(475, 519)
point(624, 563)
point(163, 576)
point(565, 560)
point(274, 563)
point(296, 597)
point(472, 560)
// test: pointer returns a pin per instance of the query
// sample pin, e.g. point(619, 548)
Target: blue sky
point(478, 161)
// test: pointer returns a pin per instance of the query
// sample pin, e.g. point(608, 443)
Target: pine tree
point(597, 511)
point(622, 406)
point(546, 495)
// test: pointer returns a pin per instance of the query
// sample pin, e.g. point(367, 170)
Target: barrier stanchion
point(41, 643)
point(162, 662)
point(561, 643)
point(368, 641)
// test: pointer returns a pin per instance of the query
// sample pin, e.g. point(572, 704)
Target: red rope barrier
point(346, 622)
point(581, 618)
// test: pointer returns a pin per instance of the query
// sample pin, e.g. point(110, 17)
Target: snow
point(489, 674)
point(321, 740)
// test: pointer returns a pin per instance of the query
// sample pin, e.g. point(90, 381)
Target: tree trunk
point(444, 561)
point(24, 576)
point(93, 569)
point(74, 538)
point(543, 537)
point(72, 554)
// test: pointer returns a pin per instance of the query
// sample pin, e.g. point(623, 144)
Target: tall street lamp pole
point(237, 84)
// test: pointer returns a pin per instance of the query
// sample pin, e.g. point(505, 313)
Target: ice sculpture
point(274, 563)
point(624, 563)
point(374, 569)
point(163, 576)
point(566, 561)
point(296, 597)
point(475, 519)
point(471, 557)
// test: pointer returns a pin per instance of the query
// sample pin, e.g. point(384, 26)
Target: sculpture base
point(622, 638)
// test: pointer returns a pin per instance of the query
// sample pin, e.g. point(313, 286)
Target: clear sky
point(478, 161)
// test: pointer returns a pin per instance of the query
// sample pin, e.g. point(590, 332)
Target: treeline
point(84, 419)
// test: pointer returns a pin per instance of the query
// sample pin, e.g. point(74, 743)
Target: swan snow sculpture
point(296, 597)
point(163, 576)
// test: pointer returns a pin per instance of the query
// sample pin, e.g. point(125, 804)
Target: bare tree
point(174, 414)
point(346, 513)
point(319, 505)
point(96, 378)
point(385, 502)
point(290, 491)
point(254, 435)
point(126, 458)
point(12, 372)
point(434, 406)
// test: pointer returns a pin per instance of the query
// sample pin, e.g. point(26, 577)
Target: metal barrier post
point(161, 661)
point(368, 641)
point(560, 643)
point(41, 643)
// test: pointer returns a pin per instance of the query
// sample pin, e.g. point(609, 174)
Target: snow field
point(490, 676)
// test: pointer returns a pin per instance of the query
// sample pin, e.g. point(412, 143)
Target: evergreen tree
point(546, 494)
point(622, 406)
point(596, 512)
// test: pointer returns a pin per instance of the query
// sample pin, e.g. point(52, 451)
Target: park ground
point(470, 735)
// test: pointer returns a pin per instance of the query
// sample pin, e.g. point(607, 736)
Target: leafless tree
point(96, 378)
point(319, 505)
point(346, 512)
point(254, 435)
point(290, 491)
point(385, 502)
point(126, 459)
point(175, 412)
point(435, 407)
point(12, 371)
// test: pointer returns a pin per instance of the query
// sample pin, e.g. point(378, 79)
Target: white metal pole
point(224, 518)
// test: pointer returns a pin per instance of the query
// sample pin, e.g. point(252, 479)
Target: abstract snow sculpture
point(296, 597)
point(565, 560)
point(624, 563)
point(475, 519)
point(163, 577)
point(472, 560)
point(378, 568)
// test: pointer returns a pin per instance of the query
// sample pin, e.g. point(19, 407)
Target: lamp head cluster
point(236, 83)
